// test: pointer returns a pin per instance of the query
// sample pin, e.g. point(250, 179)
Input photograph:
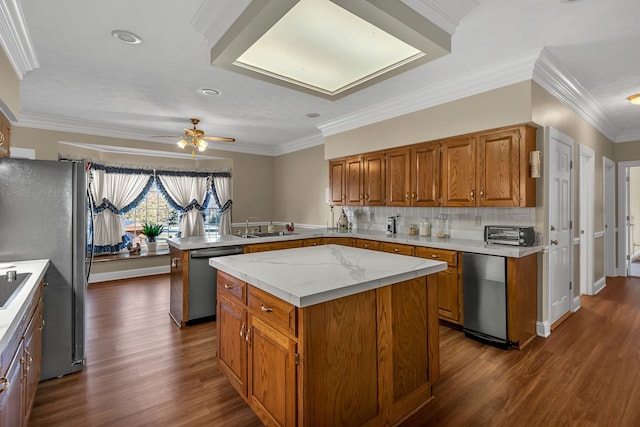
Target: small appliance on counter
point(513, 235)
point(391, 225)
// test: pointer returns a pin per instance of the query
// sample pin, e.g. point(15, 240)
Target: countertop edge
point(10, 317)
point(462, 245)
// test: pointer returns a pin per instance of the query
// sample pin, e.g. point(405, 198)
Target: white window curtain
point(222, 193)
point(114, 194)
point(188, 194)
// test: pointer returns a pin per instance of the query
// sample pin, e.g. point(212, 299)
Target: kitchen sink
point(9, 288)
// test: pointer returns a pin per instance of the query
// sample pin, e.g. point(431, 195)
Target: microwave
point(509, 235)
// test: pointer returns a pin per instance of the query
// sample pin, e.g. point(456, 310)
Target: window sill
point(126, 255)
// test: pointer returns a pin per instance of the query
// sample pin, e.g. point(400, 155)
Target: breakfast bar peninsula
point(328, 335)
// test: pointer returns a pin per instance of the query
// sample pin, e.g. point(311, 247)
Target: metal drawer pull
point(5, 384)
point(228, 286)
point(1, 138)
point(266, 309)
point(396, 250)
point(434, 256)
point(247, 335)
point(242, 331)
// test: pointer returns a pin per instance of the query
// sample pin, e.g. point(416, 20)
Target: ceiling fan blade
point(218, 138)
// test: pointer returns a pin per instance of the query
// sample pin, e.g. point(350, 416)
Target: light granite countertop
point(463, 245)
point(315, 274)
point(12, 313)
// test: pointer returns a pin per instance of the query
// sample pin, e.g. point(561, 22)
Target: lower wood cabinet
point(365, 359)
point(20, 365)
point(367, 244)
point(397, 248)
point(272, 246)
point(449, 283)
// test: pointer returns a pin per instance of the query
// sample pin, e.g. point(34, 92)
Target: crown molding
point(556, 79)
point(74, 125)
point(15, 38)
point(477, 81)
point(631, 135)
point(444, 13)
point(215, 17)
point(298, 144)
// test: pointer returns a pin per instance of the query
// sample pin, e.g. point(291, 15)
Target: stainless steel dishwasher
point(203, 281)
point(484, 290)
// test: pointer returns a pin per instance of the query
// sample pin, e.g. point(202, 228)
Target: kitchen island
point(329, 335)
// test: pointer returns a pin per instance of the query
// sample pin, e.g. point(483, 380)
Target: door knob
point(553, 228)
point(554, 242)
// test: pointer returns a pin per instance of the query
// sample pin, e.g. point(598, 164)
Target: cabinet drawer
point(396, 248)
point(232, 287)
point(275, 312)
point(368, 244)
point(344, 241)
point(312, 242)
point(450, 257)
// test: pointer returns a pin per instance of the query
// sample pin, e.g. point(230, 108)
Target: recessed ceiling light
point(127, 37)
point(312, 115)
point(210, 92)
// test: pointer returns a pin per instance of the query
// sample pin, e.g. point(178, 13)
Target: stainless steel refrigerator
point(43, 211)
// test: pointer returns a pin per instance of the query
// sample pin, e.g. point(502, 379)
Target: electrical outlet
point(478, 220)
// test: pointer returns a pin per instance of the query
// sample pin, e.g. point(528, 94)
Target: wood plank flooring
point(143, 370)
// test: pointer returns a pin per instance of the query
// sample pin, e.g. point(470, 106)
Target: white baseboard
point(543, 329)
point(576, 304)
point(599, 285)
point(127, 274)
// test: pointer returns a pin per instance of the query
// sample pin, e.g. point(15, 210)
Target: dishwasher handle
point(216, 252)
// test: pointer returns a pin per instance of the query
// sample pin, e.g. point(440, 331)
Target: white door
point(587, 207)
point(560, 204)
point(609, 198)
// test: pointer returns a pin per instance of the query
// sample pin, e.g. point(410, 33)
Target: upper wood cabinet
point(5, 136)
point(337, 182)
point(459, 171)
point(398, 177)
point(489, 168)
point(374, 179)
point(503, 172)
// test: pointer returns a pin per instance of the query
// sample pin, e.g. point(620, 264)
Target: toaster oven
point(509, 235)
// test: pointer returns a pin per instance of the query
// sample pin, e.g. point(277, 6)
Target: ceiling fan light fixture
point(634, 99)
point(202, 144)
point(182, 143)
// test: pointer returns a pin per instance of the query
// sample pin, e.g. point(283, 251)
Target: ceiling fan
point(195, 138)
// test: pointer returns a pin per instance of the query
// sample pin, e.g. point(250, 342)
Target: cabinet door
point(337, 182)
point(355, 189)
point(448, 294)
point(458, 172)
point(425, 175)
point(232, 348)
point(398, 177)
point(11, 392)
point(31, 356)
point(374, 177)
point(271, 374)
point(499, 168)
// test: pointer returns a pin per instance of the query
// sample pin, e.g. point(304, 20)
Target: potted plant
point(152, 231)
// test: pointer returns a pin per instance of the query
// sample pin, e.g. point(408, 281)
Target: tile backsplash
point(465, 223)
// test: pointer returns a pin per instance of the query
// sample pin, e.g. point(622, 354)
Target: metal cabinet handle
point(396, 250)
point(242, 331)
point(482, 192)
point(553, 228)
point(366, 245)
point(554, 242)
point(472, 193)
point(361, 196)
point(1, 138)
point(228, 286)
point(406, 196)
point(4, 384)
point(435, 256)
point(247, 336)
point(265, 309)
point(174, 262)
point(413, 196)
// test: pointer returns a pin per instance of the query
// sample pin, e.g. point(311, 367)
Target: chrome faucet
point(246, 226)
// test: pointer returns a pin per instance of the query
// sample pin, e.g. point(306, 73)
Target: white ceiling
point(77, 77)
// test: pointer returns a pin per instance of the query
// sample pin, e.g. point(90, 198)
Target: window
point(154, 208)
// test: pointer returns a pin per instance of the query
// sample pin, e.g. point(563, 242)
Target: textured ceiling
point(86, 81)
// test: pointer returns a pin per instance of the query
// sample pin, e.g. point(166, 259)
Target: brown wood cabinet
point(398, 179)
point(354, 181)
point(397, 248)
point(272, 246)
point(5, 136)
point(449, 283)
point(179, 285)
point(503, 167)
point(337, 182)
point(20, 366)
point(489, 168)
point(282, 360)
point(374, 245)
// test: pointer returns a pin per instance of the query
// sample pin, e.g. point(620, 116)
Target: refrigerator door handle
point(91, 225)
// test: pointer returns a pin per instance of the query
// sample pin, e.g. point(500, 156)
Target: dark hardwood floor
point(143, 370)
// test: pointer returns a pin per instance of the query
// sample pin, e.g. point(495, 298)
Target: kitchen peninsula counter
point(454, 244)
point(329, 334)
